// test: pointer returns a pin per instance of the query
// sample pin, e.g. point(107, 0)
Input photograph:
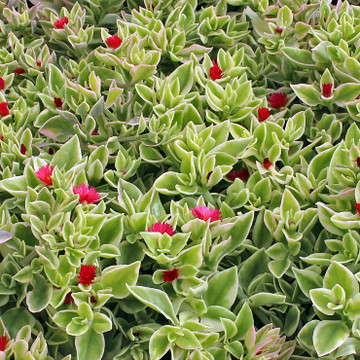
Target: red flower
point(87, 274)
point(51, 151)
point(3, 343)
point(1, 137)
point(2, 84)
point(170, 275)
point(277, 100)
point(215, 71)
point(19, 71)
point(113, 41)
point(59, 24)
point(38, 63)
point(279, 29)
point(68, 299)
point(92, 299)
point(23, 149)
point(4, 110)
point(205, 213)
point(357, 206)
point(58, 102)
point(267, 163)
point(86, 194)
point(242, 174)
point(162, 228)
point(263, 114)
point(95, 133)
point(44, 174)
point(327, 90)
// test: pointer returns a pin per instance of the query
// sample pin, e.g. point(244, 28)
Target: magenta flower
point(205, 213)
point(327, 90)
point(263, 114)
point(87, 274)
point(241, 174)
point(4, 110)
point(86, 194)
point(44, 174)
point(277, 100)
point(215, 71)
point(58, 102)
point(267, 163)
point(59, 24)
point(357, 207)
point(162, 228)
point(170, 275)
point(113, 42)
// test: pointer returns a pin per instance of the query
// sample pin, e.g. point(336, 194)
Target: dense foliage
point(179, 179)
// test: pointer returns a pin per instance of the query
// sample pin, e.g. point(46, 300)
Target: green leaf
point(329, 335)
point(90, 346)
point(307, 280)
point(159, 345)
point(339, 274)
point(39, 298)
point(155, 299)
point(58, 128)
point(117, 277)
point(307, 94)
point(267, 299)
point(299, 57)
point(68, 155)
point(222, 288)
point(244, 320)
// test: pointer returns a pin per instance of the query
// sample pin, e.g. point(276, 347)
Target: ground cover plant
point(179, 180)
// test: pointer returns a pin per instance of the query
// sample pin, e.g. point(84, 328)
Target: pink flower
point(113, 42)
point(277, 100)
point(162, 228)
point(327, 90)
point(58, 102)
point(241, 174)
point(86, 194)
point(3, 343)
point(205, 213)
point(215, 71)
point(44, 174)
point(170, 275)
point(87, 274)
point(267, 163)
point(2, 84)
point(23, 149)
point(19, 71)
point(263, 114)
point(59, 24)
point(4, 110)
point(357, 207)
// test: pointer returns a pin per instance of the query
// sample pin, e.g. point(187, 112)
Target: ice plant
point(279, 29)
point(357, 207)
point(327, 90)
point(87, 274)
point(4, 110)
point(44, 174)
point(2, 84)
point(86, 193)
point(215, 71)
point(113, 41)
point(170, 275)
point(19, 71)
point(38, 63)
point(162, 228)
point(241, 174)
point(95, 133)
point(267, 344)
point(267, 163)
point(3, 343)
point(23, 149)
point(58, 102)
point(277, 100)
point(263, 114)
point(205, 213)
point(59, 24)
